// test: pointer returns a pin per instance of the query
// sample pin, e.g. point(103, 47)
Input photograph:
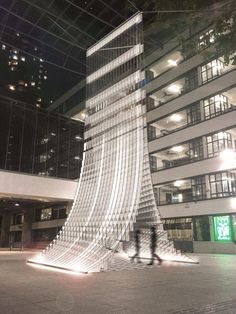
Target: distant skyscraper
point(25, 74)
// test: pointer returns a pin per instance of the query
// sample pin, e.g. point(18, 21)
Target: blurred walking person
point(153, 246)
point(137, 247)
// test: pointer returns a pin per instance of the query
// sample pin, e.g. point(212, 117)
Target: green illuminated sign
point(222, 228)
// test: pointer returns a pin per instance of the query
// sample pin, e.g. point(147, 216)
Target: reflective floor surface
point(175, 288)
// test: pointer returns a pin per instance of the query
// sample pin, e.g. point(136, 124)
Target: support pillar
point(27, 228)
point(5, 229)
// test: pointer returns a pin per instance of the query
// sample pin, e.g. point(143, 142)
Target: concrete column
point(211, 226)
point(5, 229)
point(27, 227)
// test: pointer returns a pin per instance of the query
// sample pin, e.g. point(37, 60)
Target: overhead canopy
point(63, 29)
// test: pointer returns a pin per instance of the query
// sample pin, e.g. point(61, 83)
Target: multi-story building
point(192, 137)
point(25, 75)
point(36, 142)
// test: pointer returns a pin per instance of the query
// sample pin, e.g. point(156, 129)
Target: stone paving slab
point(172, 288)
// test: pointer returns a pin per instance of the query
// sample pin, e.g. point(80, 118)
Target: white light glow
point(172, 62)
point(178, 183)
point(176, 117)
point(233, 203)
point(228, 155)
point(11, 87)
point(177, 149)
point(174, 88)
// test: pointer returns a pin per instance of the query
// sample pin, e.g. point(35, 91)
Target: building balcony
point(193, 114)
point(213, 87)
point(225, 121)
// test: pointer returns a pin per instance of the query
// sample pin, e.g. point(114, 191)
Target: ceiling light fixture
point(172, 63)
point(174, 88)
point(176, 117)
point(178, 183)
point(177, 149)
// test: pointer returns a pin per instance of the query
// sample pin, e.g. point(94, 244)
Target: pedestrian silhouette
point(137, 247)
point(153, 246)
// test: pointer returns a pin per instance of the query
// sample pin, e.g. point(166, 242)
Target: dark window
point(18, 219)
point(201, 229)
point(153, 163)
point(193, 114)
point(151, 132)
point(196, 149)
point(198, 188)
point(191, 80)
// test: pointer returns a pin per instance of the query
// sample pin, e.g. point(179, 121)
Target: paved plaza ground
point(175, 288)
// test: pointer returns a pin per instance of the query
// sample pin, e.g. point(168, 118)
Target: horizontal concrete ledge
point(219, 206)
point(18, 185)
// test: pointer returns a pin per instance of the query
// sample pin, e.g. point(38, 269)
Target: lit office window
point(218, 142)
point(211, 70)
point(46, 214)
point(206, 39)
point(215, 105)
point(223, 184)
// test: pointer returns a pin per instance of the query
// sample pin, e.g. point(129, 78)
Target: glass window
point(36, 141)
point(206, 39)
point(193, 114)
point(218, 142)
point(196, 149)
point(151, 132)
point(178, 228)
point(46, 214)
point(222, 228)
point(198, 188)
point(215, 105)
point(222, 184)
point(201, 228)
point(211, 70)
point(234, 226)
point(153, 163)
point(191, 80)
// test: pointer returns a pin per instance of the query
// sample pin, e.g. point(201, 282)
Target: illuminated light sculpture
point(115, 190)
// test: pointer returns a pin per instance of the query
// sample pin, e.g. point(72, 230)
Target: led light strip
point(135, 20)
point(116, 88)
point(128, 55)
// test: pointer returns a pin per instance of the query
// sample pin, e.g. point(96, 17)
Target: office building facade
point(39, 143)
point(191, 130)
